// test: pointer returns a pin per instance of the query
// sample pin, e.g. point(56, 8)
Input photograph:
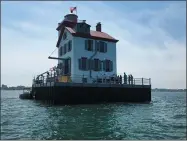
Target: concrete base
point(89, 95)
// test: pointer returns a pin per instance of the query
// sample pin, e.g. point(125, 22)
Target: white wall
point(68, 54)
point(79, 51)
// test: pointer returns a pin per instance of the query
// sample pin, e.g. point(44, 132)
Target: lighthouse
point(86, 69)
point(85, 52)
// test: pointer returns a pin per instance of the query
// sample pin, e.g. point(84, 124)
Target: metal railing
point(52, 77)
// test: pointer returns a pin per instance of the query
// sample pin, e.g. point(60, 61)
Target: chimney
point(98, 27)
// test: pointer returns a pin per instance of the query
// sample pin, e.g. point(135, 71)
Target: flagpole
point(76, 10)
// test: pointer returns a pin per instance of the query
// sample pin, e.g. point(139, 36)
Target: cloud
point(148, 44)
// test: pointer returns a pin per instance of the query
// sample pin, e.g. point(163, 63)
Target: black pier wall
point(91, 95)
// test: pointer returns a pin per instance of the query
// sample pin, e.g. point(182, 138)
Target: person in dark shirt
point(120, 78)
point(129, 77)
point(125, 78)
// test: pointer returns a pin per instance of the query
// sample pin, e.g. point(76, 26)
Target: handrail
point(53, 77)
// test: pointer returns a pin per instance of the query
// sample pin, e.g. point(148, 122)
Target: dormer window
point(83, 27)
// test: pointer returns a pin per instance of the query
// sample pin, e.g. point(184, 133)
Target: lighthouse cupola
point(71, 17)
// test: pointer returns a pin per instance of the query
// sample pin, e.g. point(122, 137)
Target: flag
point(73, 9)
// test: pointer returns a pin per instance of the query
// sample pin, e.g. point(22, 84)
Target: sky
point(152, 37)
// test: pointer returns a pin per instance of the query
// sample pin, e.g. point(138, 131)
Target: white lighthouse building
point(85, 52)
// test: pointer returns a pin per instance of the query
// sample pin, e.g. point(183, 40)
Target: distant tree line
point(168, 90)
point(5, 87)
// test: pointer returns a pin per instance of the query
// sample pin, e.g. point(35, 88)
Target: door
point(67, 66)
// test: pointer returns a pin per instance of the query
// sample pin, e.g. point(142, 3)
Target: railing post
point(134, 81)
point(83, 78)
point(43, 80)
point(142, 81)
point(149, 81)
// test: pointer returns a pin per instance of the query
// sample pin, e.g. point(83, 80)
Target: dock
point(138, 90)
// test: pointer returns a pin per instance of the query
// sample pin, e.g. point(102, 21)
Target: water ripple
point(164, 118)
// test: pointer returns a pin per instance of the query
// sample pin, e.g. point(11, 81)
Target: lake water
point(164, 118)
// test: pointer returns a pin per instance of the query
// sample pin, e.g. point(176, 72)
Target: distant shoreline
point(26, 88)
point(168, 90)
point(153, 90)
point(13, 89)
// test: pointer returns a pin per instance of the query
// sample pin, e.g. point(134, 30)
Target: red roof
point(93, 34)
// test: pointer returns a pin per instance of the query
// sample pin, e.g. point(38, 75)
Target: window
point(67, 66)
point(97, 65)
point(97, 46)
point(102, 47)
point(83, 27)
point(78, 28)
point(83, 63)
point(69, 45)
point(60, 50)
point(105, 47)
point(107, 65)
point(65, 35)
point(86, 29)
point(89, 45)
point(65, 50)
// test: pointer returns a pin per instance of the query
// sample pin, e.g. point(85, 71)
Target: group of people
point(128, 79)
point(119, 79)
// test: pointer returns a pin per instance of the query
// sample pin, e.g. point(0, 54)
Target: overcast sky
point(152, 38)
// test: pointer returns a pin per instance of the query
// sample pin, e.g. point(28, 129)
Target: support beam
point(56, 58)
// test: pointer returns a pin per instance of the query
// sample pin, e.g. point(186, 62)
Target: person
point(120, 78)
point(125, 78)
point(104, 78)
point(113, 78)
point(56, 79)
point(57, 71)
point(118, 81)
point(129, 77)
point(55, 75)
